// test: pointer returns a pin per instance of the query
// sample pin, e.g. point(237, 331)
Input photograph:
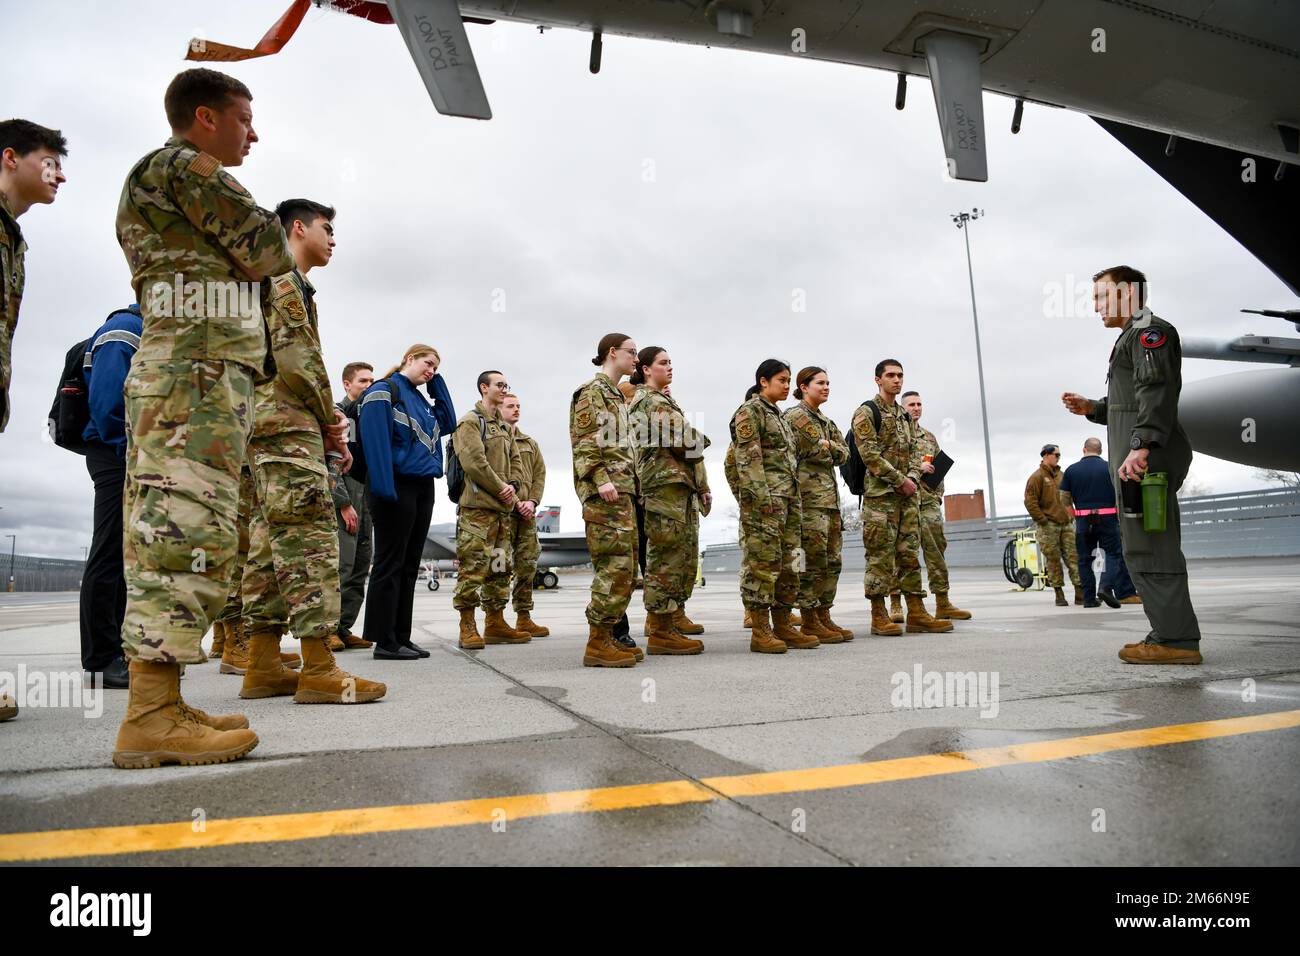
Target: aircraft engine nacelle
point(1247, 417)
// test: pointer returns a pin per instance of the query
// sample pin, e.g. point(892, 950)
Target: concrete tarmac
point(510, 721)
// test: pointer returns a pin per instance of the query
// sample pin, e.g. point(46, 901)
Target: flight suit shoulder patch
point(203, 164)
point(1153, 338)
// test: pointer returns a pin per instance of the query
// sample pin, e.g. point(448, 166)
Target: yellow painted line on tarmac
point(279, 828)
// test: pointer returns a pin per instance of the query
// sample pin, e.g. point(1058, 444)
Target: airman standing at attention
point(30, 173)
point(1143, 434)
point(766, 475)
point(493, 469)
point(933, 541)
point(604, 477)
point(525, 547)
point(292, 573)
point(819, 448)
point(198, 248)
point(891, 535)
point(667, 449)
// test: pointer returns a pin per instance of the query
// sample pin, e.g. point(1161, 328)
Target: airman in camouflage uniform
point(891, 517)
point(292, 573)
point(819, 448)
point(30, 173)
point(668, 452)
point(771, 548)
point(933, 541)
point(603, 458)
point(487, 451)
point(198, 247)
point(525, 547)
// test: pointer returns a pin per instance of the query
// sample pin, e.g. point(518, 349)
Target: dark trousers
point(355, 552)
point(401, 528)
point(1104, 534)
point(103, 585)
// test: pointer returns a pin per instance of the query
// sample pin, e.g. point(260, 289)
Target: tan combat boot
point(896, 607)
point(749, 618)
point(323, 682)
point(664, 638)
point(159, 728)
point(684, 624)
point(234, 656)
point(336, 643)
point(761, 638)
point(469, 636)
point(266, 675)
point(814, 625)
point(1060, 597)
point(796, 619)
point(601, 650)
point(945, 610)
point(784, 630)
point(824, 615)
point(919, 620)
point(8, 708)
point(497, 631)
point(351, 641)
point(525, 624)
point(1078, 596)
point(291, 660)
point(218, 639)
point(881, 622)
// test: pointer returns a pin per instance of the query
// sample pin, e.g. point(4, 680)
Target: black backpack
point(854, 470)
point(70, 413)
point(454, 471)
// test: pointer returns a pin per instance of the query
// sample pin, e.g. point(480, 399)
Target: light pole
point(13, 547)
point(962, 221)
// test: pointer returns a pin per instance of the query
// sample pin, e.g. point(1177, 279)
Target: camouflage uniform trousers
point(694, 570)
point(822, 537)
point(611, 542)
point(670, 548)
point(189, 423)
point(891, 538)
point(483, 548)
point(1056, 540)
point(234, 608)
point(933, 545)
point(771, 554)
point(527, 549)
point(292, 574)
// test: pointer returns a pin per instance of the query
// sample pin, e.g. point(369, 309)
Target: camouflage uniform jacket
point(12, 277)
point(893, 455)
point(765, 457)
point(532, 468)
point(668, 449)
point(817, 485)
point(298, 399)
point(194, 238)
point(598, 431)
point(489, 462)
point(929, 446)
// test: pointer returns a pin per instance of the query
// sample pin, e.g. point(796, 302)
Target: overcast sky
point(682, 196)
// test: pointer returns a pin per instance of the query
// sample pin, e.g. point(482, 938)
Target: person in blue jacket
point(401, 437)
point(103, 584)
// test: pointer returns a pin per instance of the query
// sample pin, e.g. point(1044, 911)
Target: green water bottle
point(1155, 488)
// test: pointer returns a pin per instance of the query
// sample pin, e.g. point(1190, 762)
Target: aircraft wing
point(435, 35)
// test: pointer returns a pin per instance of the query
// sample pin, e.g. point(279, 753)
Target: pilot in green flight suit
point(1140, 412)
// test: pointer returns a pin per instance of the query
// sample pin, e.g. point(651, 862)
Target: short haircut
point(884, 364)
point(350, 370)
point(1093, 445)
point(910, 394)
point(485, 378)
point(509, 395)
point(24, 136)
point(191, 89)
point(1126, 275)
point(305, 211)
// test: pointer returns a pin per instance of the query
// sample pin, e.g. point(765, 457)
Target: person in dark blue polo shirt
point(1087, 488)
point(401, 438)
point(103, 585)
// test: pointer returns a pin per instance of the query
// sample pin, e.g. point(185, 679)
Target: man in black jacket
point(355, 541)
